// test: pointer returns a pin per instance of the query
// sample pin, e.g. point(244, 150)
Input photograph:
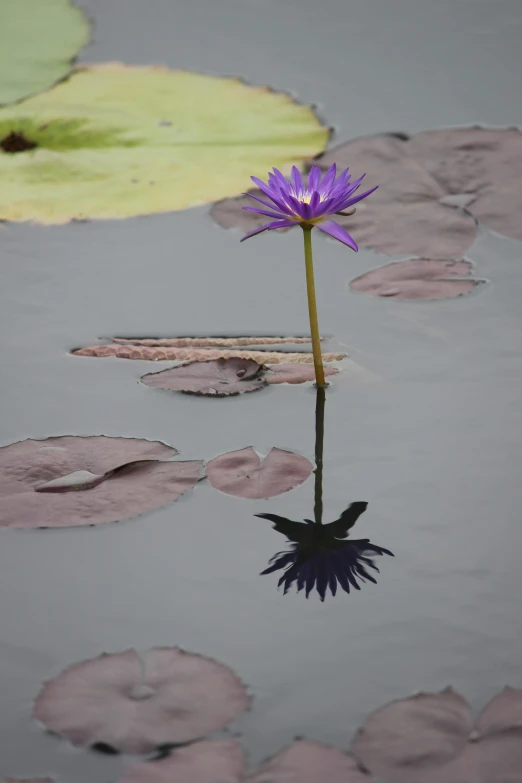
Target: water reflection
point(320, 557)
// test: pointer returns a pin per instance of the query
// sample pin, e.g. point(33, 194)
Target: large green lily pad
point(38, 40)
point(115, 141)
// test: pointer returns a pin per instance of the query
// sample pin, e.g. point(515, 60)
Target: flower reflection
point(320, 557)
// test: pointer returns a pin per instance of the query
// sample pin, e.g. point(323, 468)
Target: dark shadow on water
point(319, 556)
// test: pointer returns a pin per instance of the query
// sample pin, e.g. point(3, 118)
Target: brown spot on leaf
point(16, 142)
point(135, 705)
point(418, 278)
point(243, 474)
point(130, 489)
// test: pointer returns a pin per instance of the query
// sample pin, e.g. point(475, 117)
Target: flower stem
point(319, 441)
point(312, 308)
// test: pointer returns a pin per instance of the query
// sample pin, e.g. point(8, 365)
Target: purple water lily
point(292, 203)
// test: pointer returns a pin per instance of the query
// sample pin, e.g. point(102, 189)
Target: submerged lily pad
point(126, 477)
point(219, 378)
point(210, 761)
point(431, 738)
point(418, 278)
point(294, 373)
point(135, 705)
point(38, 40)
point(243, 474)
point(428, 186)
point(116, 140)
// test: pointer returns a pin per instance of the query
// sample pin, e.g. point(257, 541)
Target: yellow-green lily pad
point(38, 40)
point(115, 141)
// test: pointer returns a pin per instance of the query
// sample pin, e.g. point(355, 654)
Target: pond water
point(426, 426)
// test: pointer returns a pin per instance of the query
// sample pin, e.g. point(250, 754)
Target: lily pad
point(219, 378)
point(135, 706)
point(210, 761)
point(430, 738)
point(153, 353)
point(294, 373)
point(243, 474)
point(211, 342)
point(310, 762)
point(127, 477)
point(418, 278)
point(38, 40)
point(428, 186)
point(115, 141)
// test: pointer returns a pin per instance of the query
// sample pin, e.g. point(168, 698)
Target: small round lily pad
point(418, 278)
point(69, 480)
point(242, 473)
point(215, 378)
point(134, 705)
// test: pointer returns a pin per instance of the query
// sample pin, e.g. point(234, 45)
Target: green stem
point(312, 308)
point(319, 440)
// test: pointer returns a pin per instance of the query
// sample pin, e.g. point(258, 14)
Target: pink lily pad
point(294, 373)
point(210, 761)
point(123, 477)
point(425, 181)
point(431, 738)
point(243, 474)
point(219, 378)
point(167, 353)
point(131, 705)
point(310, 762)
point(418, 278)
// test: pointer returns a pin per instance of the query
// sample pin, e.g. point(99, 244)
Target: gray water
point(426, 426)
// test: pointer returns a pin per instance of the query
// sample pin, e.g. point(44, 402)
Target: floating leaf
point(211, 761)
point(309, 762)
point(209, 342)
point(482, 164)
point(135, 706)
point(424, 183)
point(294, 373)
point(241, 473)
point(115, 141)
point(429, 738)
point(219, 378)
point(158, 354)
point(418, 278)
point(38, 40)
point(132, 489)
